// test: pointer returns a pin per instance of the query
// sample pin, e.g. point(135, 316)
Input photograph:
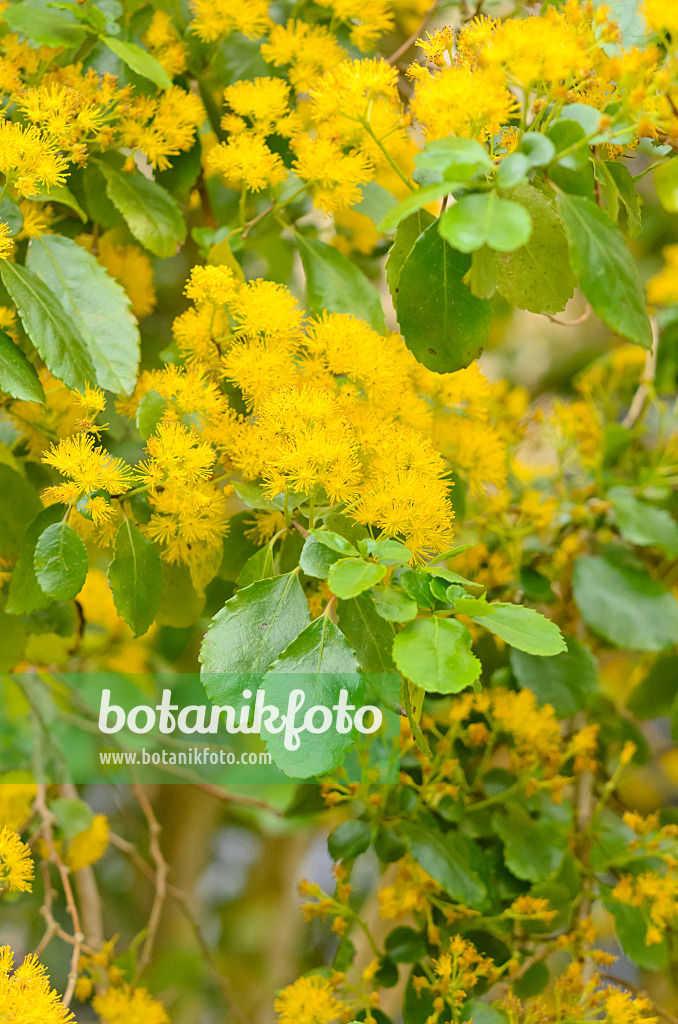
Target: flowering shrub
point(250, 256)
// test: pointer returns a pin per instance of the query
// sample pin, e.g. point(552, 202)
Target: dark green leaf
point(449, 858)
point(532, 850)
point(18, 376)
point(19, 505)
point(135, 578)
point(655, 694)
point(622, 603)
point(336, 284)
point(436, 654)
point(258, 567)
point(25, 593)
point(533, 981)
point(443, 324)
point(138, 60)
point(11, 215)
point(565, 681)
point(48, 28)
point(151, 213)
point(60, 562)
point(394, 605)
point(349, 839)
point(50, 328)
point(417, 586)
point(406, 235)
point(607, 273)
point(369, 635)
point(405, 946)
point(628, 193)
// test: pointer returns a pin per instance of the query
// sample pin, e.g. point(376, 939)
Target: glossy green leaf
point(18, 377)
point(60, 194)
point(53, 332)
point(449, 858)
point(259, 566)
point(606, 271)
point(249, 632)
point(388, 552)
point(138, 60)
point(150, 412)
point(623, 604)
point(317, 559)
point(566, 681)
point(25, 593)
point(44, 26)
point(151, 213)
point(97, 304)
point(335, 283)
point(135, 578)
point(485, 219)
point(451, 159)
point(335, 542)
point(537, 276)
point(436, 654)
point(351, 576)
point(369, 635)
point(523, 628)
point(443, 324)
point(394, 605)
point(60, 562)
point(11, 215)
point(407, 233)
point(538, 149)
point(628, 193)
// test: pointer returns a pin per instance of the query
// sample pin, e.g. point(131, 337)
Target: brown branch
point(47, 820)
point(237, 798)
point(88, 893)
point(411, 40)
point(160, 877)
point(643, 390)
point(302, 529)
point(571, 323)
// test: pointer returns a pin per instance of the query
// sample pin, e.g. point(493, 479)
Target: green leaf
point(653, 697)
point(135, 578)
point(566, 681)
point(349, 839)
point(19, 505)
point(249, 632)
point(258, 567)
point(25, 593)
point(50, 328)
point(336, 284)
point(666, 184)
point(369, 635)
point(533, 850)
point(63, 195)
point(180, 603)
point(150, 412)
point(138, 60)
point(451, 159)
point(13, 635)
point(334, 541)
point(406, 235)
point(628, 193)
point(393, 605)
point(351, 576)
point(151, 213)
point(449, 858)
point(436, 654)
point(97, 304)
point(538, 149)
point(319, 662)
point(537, 276)
point(644, 524)
point(376, 202)
point(443, 324)
point(11, 215)
point(253, 495)
point(631, 928)
point(388, 552)
point(623, 604)
point(48, 28)
point(417, 586)
point(485, 219)
point(72, 815)
point(60, 562)
point(607, 273)
point(415, 201)
point(18, 376)
point(317, 559)
point(532, 982)
point(405, 946)
point(513, 170)
point(523, 628)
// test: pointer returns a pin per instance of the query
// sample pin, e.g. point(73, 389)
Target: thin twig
point(161, 870)
point(237, 798)
point(643, 390)
point(571, 323)
point(411, 40)
point(88, 893)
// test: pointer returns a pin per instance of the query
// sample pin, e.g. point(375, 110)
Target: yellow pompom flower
point(6, 241)
point(129, 1006)
point(16, 866)
point(216, 18)
point(88, 846)
point(246, 159)
point(25, 994)
point(17, 793)
point(308, 1001)
point(89, 467)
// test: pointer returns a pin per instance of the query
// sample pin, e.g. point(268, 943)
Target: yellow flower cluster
point(126, 1005)
point(16, 866)
point(25, 994)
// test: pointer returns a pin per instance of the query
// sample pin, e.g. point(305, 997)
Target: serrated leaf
point(52, 331)
point(320, 663)
point(140, 61)
point(351, 576)
point(436, 655)
point(135, 578)
point(97, 304)
point(444, 325)
point(151, 213)
point(533, 850)
point(523, 628)
point(18, 377)
point(249, 633)
point(60, 562)
point(334, 541)
point(60, 194)
point(606, 271)
point(25, 593)
point(335, 284)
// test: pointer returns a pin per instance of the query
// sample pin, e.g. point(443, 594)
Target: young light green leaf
point(533, 850)
point(63, 195)
point(335, 284)
point(18, 377)
point(151, 213)
point(436, 654)
point(666, 184)
point(623, 604)
point(48, 28)
point(351, 576)
point(607, 273)
point(25, 593)
point(320, 663)
point(415, 201)
point(394, 605)
point(523, 628)
point(97, 304)
point(388, 551)
point(317, 559)
point(485, 219)
point(135, 578)
point(60, 562)
point(513, 170)
point(538, 149)
point(248, 634)
point(140, 61)
point(628, 193)
point(451, 159)
point(334, 541)
point(50, 328)
point(443, 324)
point(150, 412)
